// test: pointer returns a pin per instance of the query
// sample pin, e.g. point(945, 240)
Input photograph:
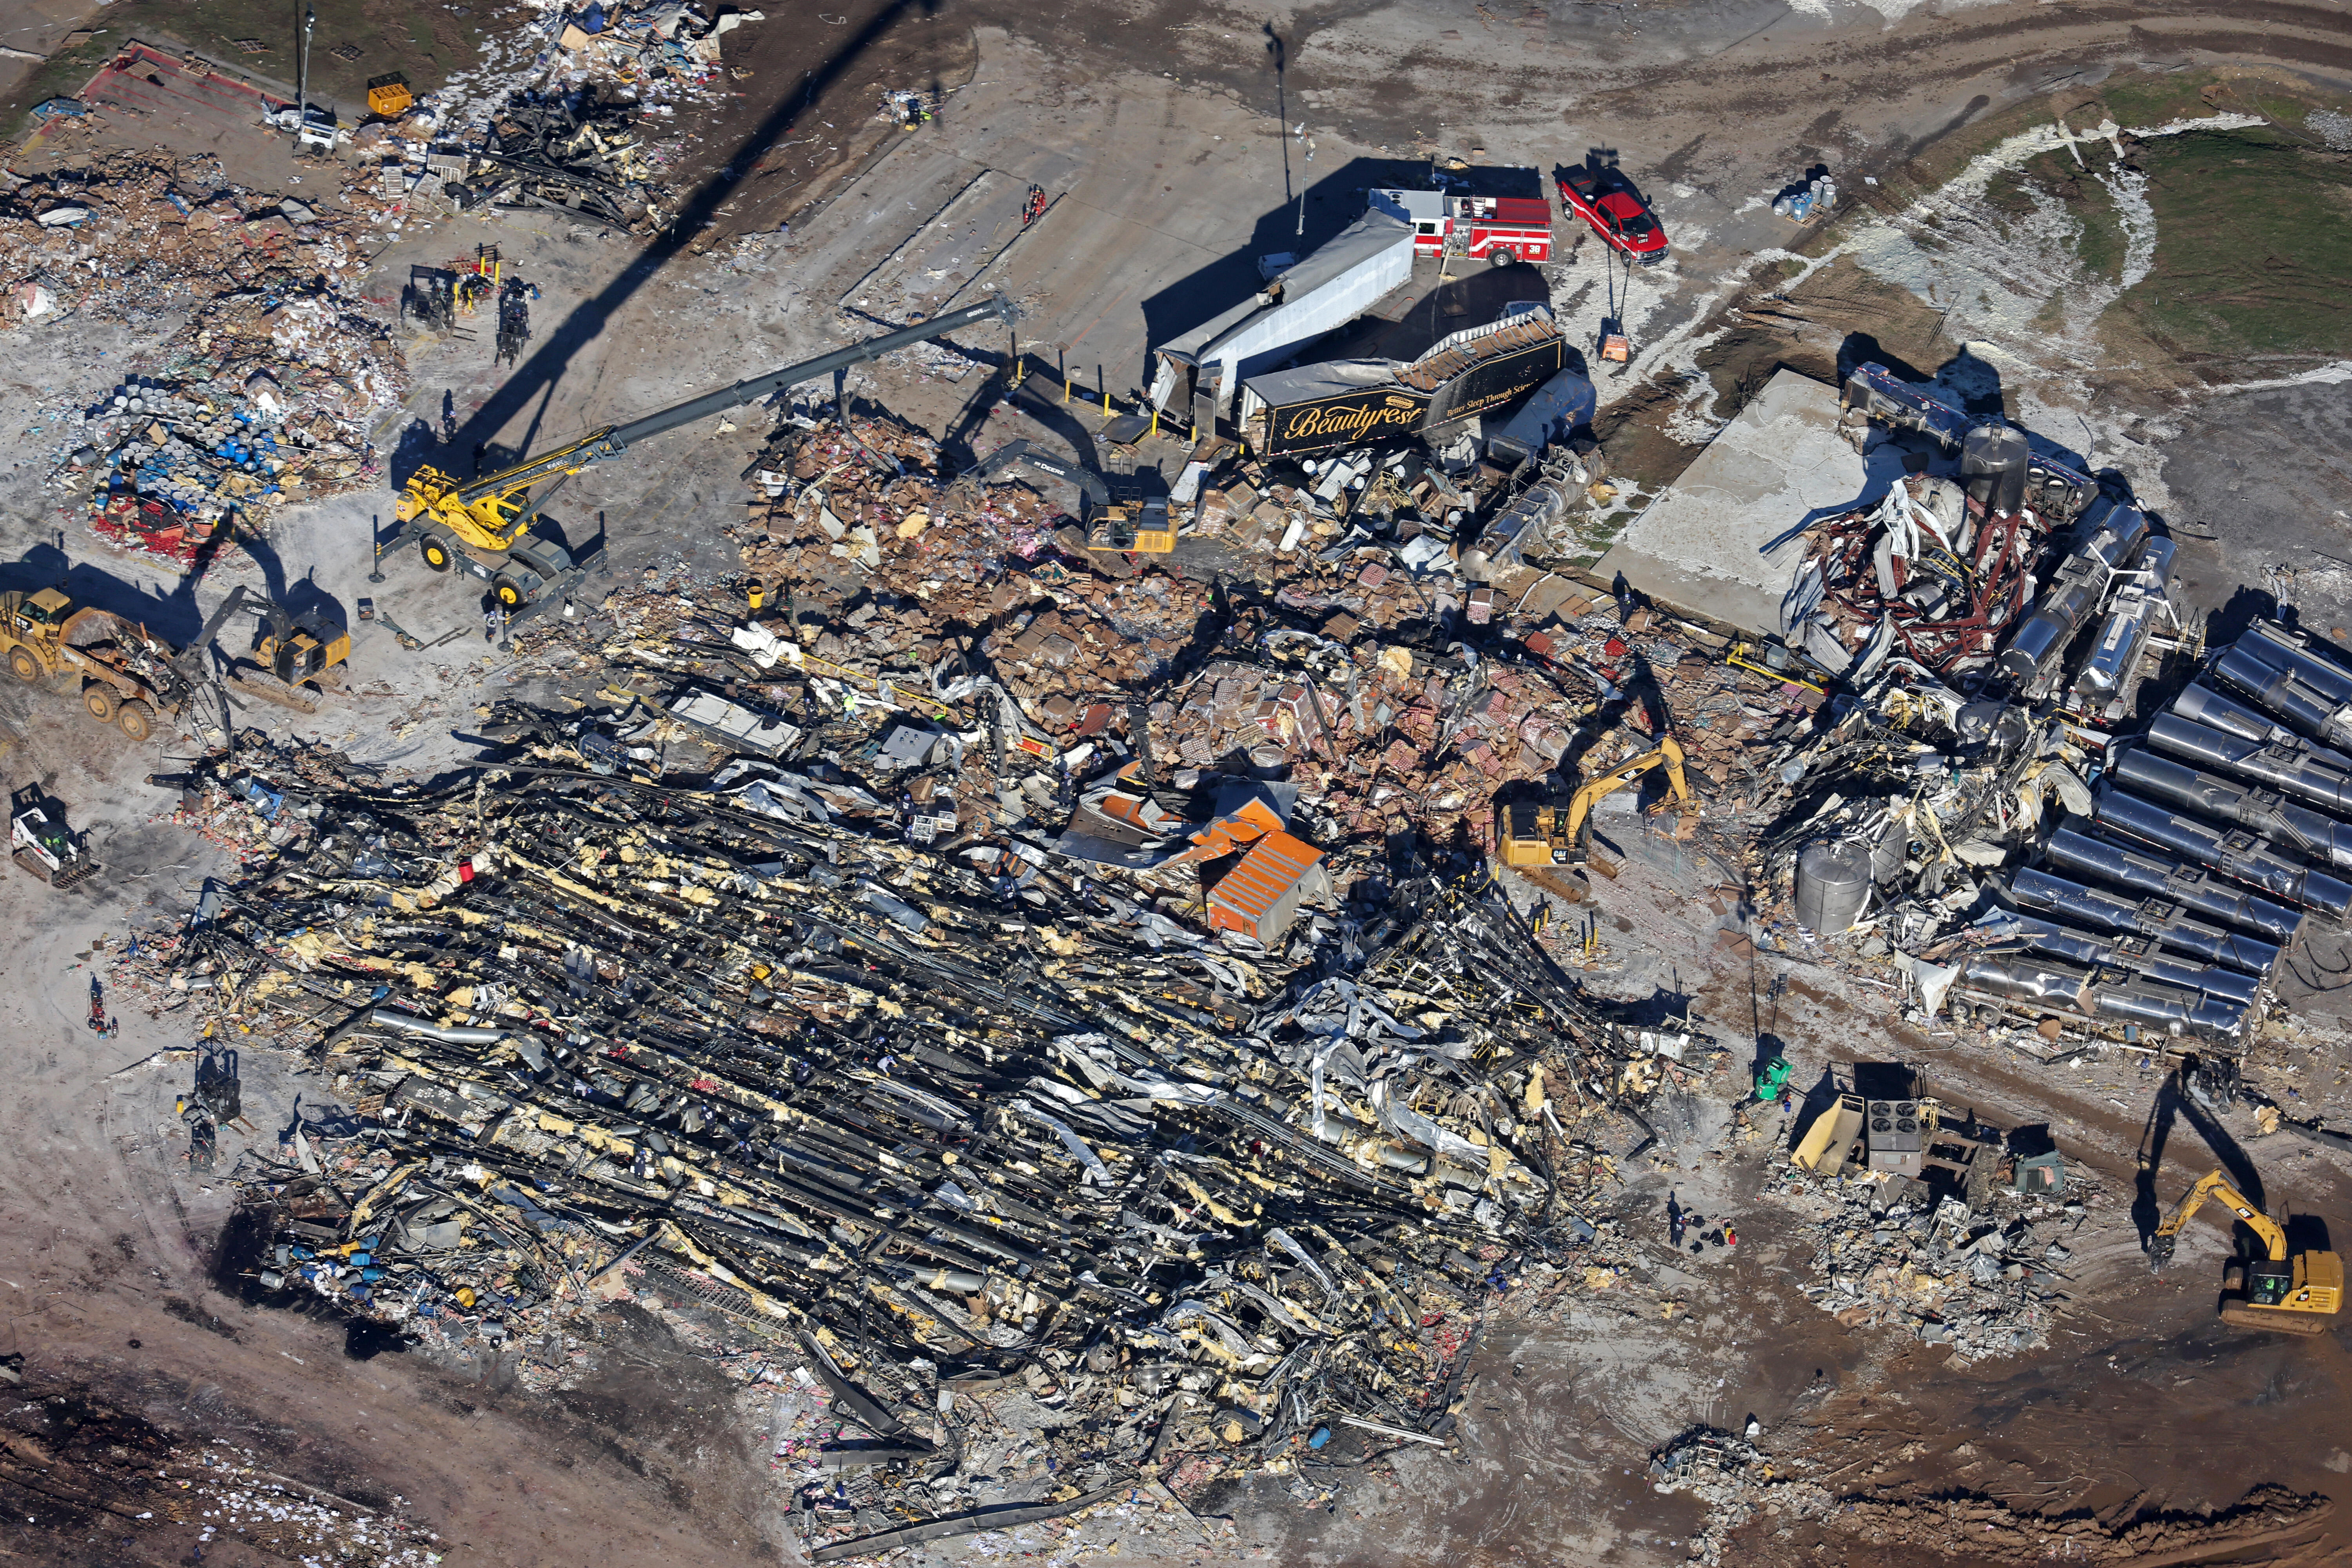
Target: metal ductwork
point(2302, 706)
point(2163, 922)
point(448, 1036)
point(2234, 852)
point(2074, 593)
point(2310, 835)
point(2131, 953)
point(2168, 878)
point(2298, 768)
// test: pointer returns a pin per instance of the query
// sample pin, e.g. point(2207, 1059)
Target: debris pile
point(1981, 1278)
point(264, 394)
point(966, 1115)
point(569, 128)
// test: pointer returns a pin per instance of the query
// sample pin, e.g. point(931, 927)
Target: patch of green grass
point(2154, 100)
point(2253, 246)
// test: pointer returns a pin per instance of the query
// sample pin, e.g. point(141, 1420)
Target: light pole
point(302, 74)
point(1279, 54)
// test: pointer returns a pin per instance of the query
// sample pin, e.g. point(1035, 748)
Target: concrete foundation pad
point(1721, 541)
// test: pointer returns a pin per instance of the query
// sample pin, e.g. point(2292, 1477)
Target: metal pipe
point(431, 1031)
point(2237, 855)
point(2294, 766)
point(2190, 885)
point(2162, 922)
point(2312, 837)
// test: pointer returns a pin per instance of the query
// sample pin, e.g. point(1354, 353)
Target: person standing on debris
point(1675, 1221)
point(494, 623)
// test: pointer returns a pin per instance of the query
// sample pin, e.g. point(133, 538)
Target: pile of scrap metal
point(577, 152)
point(1936, 571)
point(953, 1128)
point(2164, 900)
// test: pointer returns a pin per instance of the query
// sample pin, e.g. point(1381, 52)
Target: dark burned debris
point(578, 152)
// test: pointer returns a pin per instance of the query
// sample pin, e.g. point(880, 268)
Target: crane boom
point(489, 519)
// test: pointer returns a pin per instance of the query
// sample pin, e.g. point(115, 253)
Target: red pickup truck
point(1607, 200)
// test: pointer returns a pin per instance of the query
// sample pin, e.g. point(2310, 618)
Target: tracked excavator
point(483, 526)
point(1121, 514)
point(1532, 834)
point(2291, 1292)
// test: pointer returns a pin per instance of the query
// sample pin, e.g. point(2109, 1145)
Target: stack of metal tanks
point(2212, 841)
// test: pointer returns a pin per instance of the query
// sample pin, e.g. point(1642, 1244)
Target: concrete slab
point(1721, 540)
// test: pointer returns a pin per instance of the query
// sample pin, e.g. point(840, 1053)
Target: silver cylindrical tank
point(2202, 703)
point(2306, 834)
point(1832, 885)
point(2308, 656)
point(2110, 536)
point(2280, 690)
point(2168, 879)
point(2028, 980)
point(2240, 856)
point(2297, 768)
point(1993, 460)
point(2123, 634)
point(2164, 923)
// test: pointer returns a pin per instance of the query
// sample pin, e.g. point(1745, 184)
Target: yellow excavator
point(2298, 1294)
point(1122, 515)
point(1528, 833)
point(484, 526)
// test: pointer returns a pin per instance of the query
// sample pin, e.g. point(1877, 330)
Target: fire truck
point(1476, 223)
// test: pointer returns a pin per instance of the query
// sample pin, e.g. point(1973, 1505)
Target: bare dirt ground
point(1156, 127)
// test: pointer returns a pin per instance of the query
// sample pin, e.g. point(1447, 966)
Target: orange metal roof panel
point(1272, 868)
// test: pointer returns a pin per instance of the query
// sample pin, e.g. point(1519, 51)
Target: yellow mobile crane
point(2298, 1294)
point(484, 526)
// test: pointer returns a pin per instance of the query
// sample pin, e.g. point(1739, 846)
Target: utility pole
point(302, 74)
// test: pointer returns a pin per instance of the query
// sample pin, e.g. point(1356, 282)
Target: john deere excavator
point(484, 526)
point(1120, 515)
point(2295, 1293)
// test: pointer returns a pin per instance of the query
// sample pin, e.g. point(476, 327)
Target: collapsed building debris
point(813, 1020)
point(266, 391)
point(1927, 1223)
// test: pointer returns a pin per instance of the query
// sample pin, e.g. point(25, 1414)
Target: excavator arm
point(1088, 482)
point(2215, 1185)
point(1669, 756)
